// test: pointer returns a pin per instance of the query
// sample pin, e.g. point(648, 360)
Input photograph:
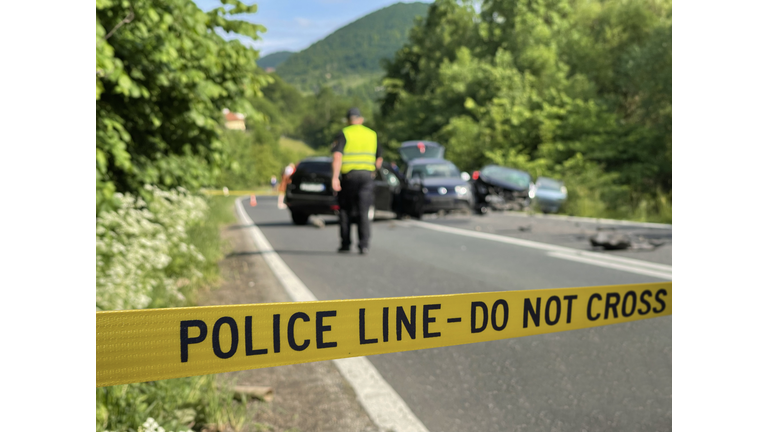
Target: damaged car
point(501, 188)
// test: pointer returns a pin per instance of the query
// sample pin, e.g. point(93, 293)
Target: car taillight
point(335, 207)
point(475, 175)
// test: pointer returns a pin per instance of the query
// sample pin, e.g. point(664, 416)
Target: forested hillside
point(351, 56)
point(274, 60)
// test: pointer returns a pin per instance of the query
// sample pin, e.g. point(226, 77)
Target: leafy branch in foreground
point(161, 83)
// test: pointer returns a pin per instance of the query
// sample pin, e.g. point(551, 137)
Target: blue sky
point(293, 25)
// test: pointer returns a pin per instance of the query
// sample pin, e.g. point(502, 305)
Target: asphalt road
point(612, 378)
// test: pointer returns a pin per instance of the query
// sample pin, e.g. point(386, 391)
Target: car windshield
point(517, 178)
point(547, 183)
point(435, 170)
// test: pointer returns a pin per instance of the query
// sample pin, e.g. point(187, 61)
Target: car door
point(412, 197)
point(382, 192)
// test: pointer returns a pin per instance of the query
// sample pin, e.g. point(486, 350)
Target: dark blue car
point(433, 184)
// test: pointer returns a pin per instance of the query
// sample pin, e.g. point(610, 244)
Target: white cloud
point(303, 22)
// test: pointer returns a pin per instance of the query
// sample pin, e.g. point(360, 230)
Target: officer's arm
point(336, 165)
point(379, 156)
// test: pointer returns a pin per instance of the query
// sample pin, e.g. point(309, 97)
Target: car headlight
point(461, 190)
point(563, 190)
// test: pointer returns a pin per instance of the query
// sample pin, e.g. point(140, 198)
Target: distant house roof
point(232, 116)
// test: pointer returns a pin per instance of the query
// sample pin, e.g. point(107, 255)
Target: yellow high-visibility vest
point(360, 149)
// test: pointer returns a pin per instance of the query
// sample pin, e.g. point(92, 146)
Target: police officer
point(356, 157)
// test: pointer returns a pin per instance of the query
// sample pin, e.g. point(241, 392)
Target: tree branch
point(125, 20)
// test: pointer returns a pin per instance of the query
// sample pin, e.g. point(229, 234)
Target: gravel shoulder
point(307, 397)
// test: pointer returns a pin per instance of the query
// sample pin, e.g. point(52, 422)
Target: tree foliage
point(163, 77)
point(572, 88)
point(313, 118)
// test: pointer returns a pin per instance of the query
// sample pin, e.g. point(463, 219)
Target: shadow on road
point(238, 227)
point(284, 252)
point(273, 224)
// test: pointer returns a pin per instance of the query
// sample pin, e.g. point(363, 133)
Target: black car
point(309, 191)
point(501, 188)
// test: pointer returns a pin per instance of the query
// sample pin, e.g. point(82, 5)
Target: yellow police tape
point(155, 344)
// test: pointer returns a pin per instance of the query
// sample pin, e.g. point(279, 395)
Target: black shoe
point(364, 251)
point(343, 249)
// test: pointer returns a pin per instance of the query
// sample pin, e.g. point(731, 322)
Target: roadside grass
point(206, 238)
point(183, 404)
point(656, 209)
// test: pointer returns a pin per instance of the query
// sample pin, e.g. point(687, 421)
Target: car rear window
point(547, 183)
point(323, 168)
point(414, 152)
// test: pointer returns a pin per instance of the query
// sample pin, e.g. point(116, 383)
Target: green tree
point(553, 86)
point(163, 77)
point(282, 106)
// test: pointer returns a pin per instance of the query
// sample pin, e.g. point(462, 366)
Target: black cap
point(353, 112)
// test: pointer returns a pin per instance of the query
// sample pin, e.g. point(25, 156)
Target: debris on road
point(610, 240)
point(318, 222)
point(644, 244)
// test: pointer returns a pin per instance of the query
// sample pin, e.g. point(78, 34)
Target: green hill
point(351, 56)
point(273, 60)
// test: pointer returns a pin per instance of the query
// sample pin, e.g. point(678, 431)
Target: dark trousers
point(355, 198)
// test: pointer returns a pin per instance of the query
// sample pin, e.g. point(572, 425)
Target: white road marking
point(638, 270)
point(660, 271)
point(597, 221)
point(382, 403)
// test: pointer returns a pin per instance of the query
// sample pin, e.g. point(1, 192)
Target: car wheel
point(299, 218)
point(371, 213)
point(483, 210)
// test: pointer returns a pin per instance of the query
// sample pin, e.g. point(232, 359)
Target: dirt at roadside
point(307, 397)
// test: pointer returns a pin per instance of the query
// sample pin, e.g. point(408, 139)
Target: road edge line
point(597, 221)
point(619, 263)
point(615, 266)
point(386, 408)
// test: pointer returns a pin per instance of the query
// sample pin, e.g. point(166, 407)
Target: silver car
point(548, 194)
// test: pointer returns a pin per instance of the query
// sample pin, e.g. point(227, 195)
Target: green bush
point(143, 256)
point(157, 252)
point(171, 405)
